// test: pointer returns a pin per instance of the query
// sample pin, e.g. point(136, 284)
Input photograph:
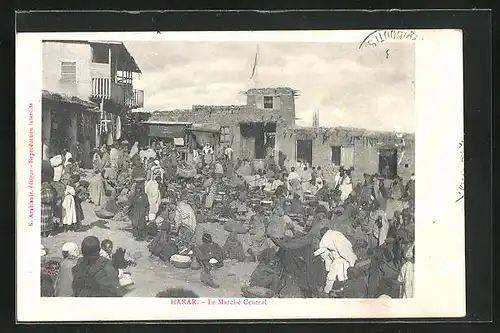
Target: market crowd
point(314, 230)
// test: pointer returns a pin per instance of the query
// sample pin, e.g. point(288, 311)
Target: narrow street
point(151, 275)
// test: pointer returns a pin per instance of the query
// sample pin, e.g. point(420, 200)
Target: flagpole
point(256, 76)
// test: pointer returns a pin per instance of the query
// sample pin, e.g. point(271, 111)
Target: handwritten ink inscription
point(461, 187)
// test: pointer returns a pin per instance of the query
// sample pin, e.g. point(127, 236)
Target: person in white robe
point(154, 196)
point(45, 152)
point(97, 195)
point(57, 164)
point(69, 219)
point(114, 157)
point(345, 186)
point(406, 275)
point(294, 182)
point(336, 251)
point(134, 150)
point(380, 227)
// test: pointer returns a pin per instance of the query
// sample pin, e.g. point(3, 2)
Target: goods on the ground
point(186, 171)
point(257, 292)
point(180, 261)
point(104, 214)
point(233, 249)
point(233, 226)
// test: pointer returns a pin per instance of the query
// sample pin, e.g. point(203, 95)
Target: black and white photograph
point(230, 172)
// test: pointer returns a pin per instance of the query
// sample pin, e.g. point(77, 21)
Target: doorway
point(304, 150)
point(388, 163)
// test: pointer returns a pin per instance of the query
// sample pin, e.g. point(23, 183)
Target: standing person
point(336, 251)
point(57, 163)
point(228, 152)
point(396, 189)
point(97, 195)
point(294, 181)
point(219, 170)
point(407, 273)
point(96, 160)
point(380, 193)
point(345, 185)
point(208, 151)
point(257, 233)
point(366, 190)
point(134, 150)
point(48, 200)
point(77, 153)
point(63, 284)
point(45, 150)
point(379, 225)
point(138, 211)
point(93, 275)
point(114, 157)
point(79, 198)
point(154, 196)
point(410, 189)
point(69, 218)
point(105, 160)
point(281, 161)
point(70, 169)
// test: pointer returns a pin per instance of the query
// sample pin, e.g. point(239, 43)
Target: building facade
point(251, 129)
point(87, 88)
point(268, 121)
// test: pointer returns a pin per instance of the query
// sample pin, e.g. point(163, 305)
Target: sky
point(370, 88)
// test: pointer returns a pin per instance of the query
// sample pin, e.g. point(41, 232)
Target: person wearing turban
point(64, 280)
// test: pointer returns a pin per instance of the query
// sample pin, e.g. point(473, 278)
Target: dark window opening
point(225, 134)
point(336, 152)
point(388, 163)
point(268, 102)
point(68, 72)
point(304, 151)
point(264, 134)
point(100, 55)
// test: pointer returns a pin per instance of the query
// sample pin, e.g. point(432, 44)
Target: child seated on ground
point(121, 260)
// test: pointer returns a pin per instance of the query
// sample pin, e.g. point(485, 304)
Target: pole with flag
point(255, 68)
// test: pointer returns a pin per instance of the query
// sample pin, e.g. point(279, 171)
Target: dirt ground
point(151, 275)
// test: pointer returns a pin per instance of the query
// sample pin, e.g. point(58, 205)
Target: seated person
point(356, 285)
point(209, 255)
point(296, 205)
point(267, 274)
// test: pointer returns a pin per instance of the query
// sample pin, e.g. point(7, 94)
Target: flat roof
point(167, 123)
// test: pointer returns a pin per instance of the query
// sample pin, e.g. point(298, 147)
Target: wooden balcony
point(121, 93)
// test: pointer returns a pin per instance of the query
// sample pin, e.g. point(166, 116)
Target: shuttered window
point(68, 72)
point(225, 134)
point(268, 102)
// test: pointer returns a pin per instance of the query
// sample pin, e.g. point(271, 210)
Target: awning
point(167, 131)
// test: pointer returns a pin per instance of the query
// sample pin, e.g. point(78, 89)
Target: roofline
point(118, 43)
point(161, 122)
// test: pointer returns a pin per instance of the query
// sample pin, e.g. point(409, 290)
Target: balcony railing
point(123, 94)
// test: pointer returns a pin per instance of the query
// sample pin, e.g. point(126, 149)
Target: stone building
point(87, 86)
point(250, 129)
point(268, 120)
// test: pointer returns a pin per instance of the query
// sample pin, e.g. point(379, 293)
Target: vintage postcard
point(239, 175)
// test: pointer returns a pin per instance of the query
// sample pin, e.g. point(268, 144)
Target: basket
point(180, 261)
point(104, 214)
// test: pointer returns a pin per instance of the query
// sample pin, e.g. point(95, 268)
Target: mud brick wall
point(366, 156)
point(231, 116)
